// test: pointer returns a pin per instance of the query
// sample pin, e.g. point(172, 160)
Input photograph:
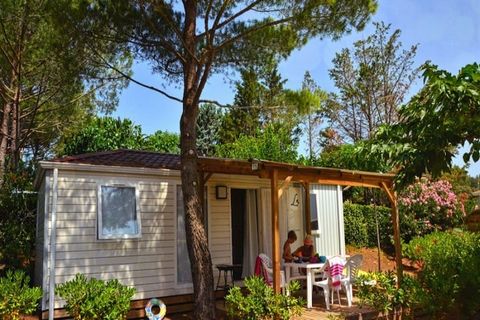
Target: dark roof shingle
point(126, 158)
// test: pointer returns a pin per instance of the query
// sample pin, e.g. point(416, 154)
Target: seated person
point(287, 250)
point(305, 252)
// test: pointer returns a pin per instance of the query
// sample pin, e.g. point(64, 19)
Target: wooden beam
point(207, 177)
point(390, 194)
point(275, 195)
point(331, 181)
point(308, 215)
point(396, 232)
point(284, 185)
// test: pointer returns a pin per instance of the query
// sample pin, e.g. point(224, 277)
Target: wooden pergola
point(282, 174)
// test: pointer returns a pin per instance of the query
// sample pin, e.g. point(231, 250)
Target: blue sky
point(448, 34)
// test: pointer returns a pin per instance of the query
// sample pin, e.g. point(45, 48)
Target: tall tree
point(209, 123)
point(244, 117)
point(442, 116)
point(48, 79)
point(261, 100)
point(190, 40)
point(313, 118)
point(273, 99)
point(372, 81)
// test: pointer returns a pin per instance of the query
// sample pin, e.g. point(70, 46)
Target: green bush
point(17, 220)
point(92, 299)
point(261, 302)
point(433, 205)
point(449, 264)
point(16, 297)
point(360, 225)
point(379, 291)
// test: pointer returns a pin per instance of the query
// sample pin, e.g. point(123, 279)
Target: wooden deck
point(318, 312)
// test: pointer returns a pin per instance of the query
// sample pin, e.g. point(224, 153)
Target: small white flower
point(370, 283)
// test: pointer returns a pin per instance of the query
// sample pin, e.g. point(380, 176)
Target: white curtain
point(250, 239)
point(265, 222)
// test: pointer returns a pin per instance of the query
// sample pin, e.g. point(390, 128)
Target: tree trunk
point(197, 240)
point(4, 137)
point(15, 130)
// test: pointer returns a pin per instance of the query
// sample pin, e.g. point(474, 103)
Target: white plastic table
point(310, 276)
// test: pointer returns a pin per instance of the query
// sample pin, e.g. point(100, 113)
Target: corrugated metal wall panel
point(329, 239)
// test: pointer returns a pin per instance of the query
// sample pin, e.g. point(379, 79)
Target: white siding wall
point(330, 240)
point(148, 263)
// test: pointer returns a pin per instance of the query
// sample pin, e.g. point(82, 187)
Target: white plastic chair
point(267, 266)
point(353, 265)
point(332, 280)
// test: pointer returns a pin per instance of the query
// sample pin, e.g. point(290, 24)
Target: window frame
point(99, 223)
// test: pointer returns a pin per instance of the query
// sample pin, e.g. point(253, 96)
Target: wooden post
point(308, 216)
point(275, 195)
point(396, 232)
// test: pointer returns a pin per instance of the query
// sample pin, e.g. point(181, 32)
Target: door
point(295, 215)
point(238, 205)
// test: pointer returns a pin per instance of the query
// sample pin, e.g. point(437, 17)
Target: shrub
point(360, 225)
point(95, 299)
point(261, 302)
point(379, 291)
point(432, 204)
point(449, 262)
point(16, 297)
point(17, 220)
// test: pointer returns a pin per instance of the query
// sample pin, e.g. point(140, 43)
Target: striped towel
point(336, 271)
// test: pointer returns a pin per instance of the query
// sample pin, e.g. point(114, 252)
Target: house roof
point(126, 158)
point(261, 168)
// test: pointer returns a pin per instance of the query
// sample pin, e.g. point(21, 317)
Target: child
point(287, 250)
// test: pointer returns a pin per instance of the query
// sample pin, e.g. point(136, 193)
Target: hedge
point(360, 226)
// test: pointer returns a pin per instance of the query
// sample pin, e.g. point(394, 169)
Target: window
point(118, 212)
point(313, 211)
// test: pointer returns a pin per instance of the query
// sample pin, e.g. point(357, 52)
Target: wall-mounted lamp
point(255, 164)
point(221, 192)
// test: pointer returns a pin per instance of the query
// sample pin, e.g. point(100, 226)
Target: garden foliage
point(449, 264)
point(432, 204)
point(107, 133)
point(379, 291)
point(17, 220)
point(261, 302)
point(442, 116)
point(424, 207)
point(92, 299)
point(360, 225)
point(274, 142)
point(16, 297)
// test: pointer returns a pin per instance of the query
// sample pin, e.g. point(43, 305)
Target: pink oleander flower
point(434, 199)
